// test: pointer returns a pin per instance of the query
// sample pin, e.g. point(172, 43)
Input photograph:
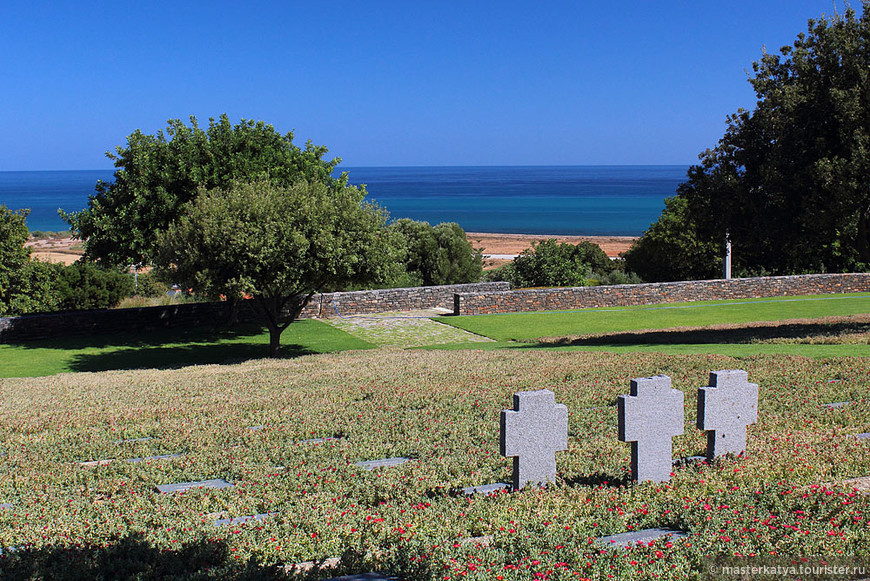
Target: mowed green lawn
point(168, 348)
point(527, 328)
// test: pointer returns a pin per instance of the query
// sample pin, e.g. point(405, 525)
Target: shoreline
point(506, 246)
point(496, 243)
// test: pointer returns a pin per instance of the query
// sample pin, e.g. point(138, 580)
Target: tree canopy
point(277, 244)
point(158, 174)
point(439, 254)
point(789, 182)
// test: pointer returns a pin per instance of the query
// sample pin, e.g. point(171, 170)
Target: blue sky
point(389, 83)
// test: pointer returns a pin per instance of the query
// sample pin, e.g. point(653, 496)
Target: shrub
point(550, 263)
point(82, 286)
point(148, 285)
point(618, 276)
point(438, 254)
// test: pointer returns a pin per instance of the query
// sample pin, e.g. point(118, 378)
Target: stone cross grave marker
point(725, 408)
point(532, 433)
point(649, 417)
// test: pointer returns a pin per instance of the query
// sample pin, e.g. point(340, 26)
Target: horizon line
point(339, 167)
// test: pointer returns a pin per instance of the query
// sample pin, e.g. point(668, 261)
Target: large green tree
point(278, 245)
point(790, 180)
point(158, 174)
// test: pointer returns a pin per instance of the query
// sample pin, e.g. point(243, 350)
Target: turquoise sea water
point(594, 200)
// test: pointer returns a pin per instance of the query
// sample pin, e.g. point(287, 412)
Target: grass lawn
point(792, 495)
point(818, 326)
point(166, 348)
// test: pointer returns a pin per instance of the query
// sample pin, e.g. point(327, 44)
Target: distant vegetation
point(436, 255)
point(551, 263)
point(32, 286)
point(49, 234)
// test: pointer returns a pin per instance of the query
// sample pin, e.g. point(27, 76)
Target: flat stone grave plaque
point(5, 505)
point(363, 577)
point(185, 486)
point(316, 440)
point(160, 457)
point(689, 460)
point(242, 519)
point(532, 433)
point(484, 541)
point(725, 408)
point(863, 436)
point(836, 404)
point(486, 488)
point(644, 536)
point(383, 463)
point(649, 416)
point(96, 463)
point(110, 460)
point(134, 440)
point(255, 428)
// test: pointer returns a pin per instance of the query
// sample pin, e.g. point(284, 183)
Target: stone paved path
point(404, 329)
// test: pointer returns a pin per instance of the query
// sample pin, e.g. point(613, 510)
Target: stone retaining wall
point(393, 299)
point(563, 299)
point(186, 315)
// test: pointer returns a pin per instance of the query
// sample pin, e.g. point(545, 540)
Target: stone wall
point(394, 299)
point(186, 315)
point(562, 299)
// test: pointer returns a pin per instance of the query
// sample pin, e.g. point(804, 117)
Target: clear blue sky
point(389, 83)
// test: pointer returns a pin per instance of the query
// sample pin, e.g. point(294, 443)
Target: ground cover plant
point(248, 424)
point(167, 348)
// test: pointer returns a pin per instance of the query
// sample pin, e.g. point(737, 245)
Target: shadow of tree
point(166, 348)
point(148, 338)
point(729, 334)
point(173, 356)
point(132, 558)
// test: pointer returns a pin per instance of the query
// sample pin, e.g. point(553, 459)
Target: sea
point(567, 200)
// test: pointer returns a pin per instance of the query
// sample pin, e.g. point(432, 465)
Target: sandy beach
point(516, 243)
point(499, 249)
point(67, 250)
point(63, 250)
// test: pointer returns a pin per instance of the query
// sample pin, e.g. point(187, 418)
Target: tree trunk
point(274, 340)
point(270, 310)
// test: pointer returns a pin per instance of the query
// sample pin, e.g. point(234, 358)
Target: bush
point(438, 254)
point(83, 286)
point(618, 276)
point(550, 263)
point(148, 285)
